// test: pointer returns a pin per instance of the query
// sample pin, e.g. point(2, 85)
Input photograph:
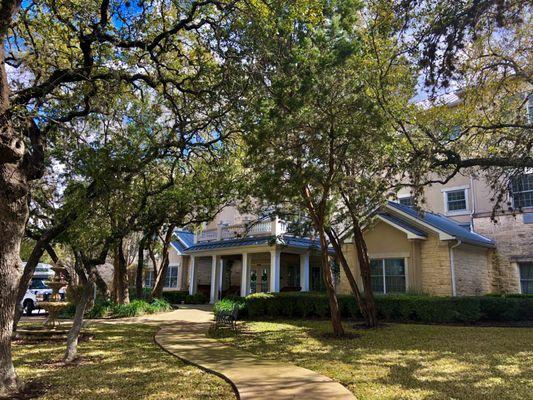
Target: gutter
point(452, 266)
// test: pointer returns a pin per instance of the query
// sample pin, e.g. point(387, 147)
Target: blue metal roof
point(287, 240)
point(444, 224)
point(185, 240)
point(402, 223)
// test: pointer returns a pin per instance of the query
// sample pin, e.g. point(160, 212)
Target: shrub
point(175, 297)
point(197, 298)
point(419, 308)
point(99, 310)
point(228, 304)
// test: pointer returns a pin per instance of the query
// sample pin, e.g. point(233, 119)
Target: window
point(526, 277)
point(388, 275)
point(522, 190)
point(149, 279)
point(264, 281)
point(171, 280)
point(456, 200)
point(406, 201)
point(253, 282)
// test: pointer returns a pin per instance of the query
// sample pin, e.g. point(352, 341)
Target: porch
point(223, 274)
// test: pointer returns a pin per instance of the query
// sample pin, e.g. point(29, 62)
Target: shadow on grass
point(121, 362)
point(405, 361)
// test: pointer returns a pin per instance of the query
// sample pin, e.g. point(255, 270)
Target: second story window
point(456, 200)
point(406, 201)
point(522, 190)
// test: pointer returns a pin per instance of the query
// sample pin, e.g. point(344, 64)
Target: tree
point(480, 51)
point(320, 91)
point(67, 63)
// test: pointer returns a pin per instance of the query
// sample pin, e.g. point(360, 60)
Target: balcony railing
point(224, 232)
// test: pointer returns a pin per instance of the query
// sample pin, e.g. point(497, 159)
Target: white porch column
point(192, 276)
point(304, 271)
point(275, 256)
point(214, 280)
point(245, 276)
point(220, 263)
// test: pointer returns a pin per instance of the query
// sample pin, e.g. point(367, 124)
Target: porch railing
point(224, 232)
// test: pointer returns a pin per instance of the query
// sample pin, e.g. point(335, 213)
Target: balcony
point(275, 227)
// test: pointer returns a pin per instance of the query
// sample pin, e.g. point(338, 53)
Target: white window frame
point(177, 267)
point(466, 190)
point(404, 197)
point(405, 268)
point(151, 272)
point(520, 276)
point(511, 193)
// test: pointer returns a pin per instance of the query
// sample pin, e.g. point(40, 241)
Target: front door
point(258, 280)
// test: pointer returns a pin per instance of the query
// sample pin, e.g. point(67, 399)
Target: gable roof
point(440, 223)
point(184, 240)
point(408, 228)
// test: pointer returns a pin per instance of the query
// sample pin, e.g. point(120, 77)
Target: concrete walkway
point(252, 377)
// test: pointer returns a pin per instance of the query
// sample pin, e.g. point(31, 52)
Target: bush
point(175, 297)
point(106, 309)
point(197, 298)
point(228, 304)
point(419, 308)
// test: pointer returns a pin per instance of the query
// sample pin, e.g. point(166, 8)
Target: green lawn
point(121, 362)
point(405, 361)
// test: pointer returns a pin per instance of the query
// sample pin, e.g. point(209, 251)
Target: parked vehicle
point(41, 290)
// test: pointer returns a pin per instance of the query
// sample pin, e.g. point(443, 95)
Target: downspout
point(473, 194)
point(452, 266)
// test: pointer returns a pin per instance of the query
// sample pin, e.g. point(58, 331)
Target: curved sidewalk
point(252, 377)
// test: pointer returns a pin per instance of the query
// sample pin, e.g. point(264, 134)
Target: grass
point(120, 362)
point(404, 361)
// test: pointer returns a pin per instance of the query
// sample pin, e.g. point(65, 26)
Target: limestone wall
point(435, 266)
point(514, 243)
point(472, 270)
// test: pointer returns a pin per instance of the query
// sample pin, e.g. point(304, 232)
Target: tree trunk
point(74, 332)
point(160, 276)
point(336, 321)
point(349, 275)
point(25, 280)
point(140, 270)
point(101, 285)
point(13, 215)
point(120, 275)
point(159, 281)
point(11, 231)
point(364, 266)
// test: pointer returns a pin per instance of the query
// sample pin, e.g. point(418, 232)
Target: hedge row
point(178, 297)
point(391, 307)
